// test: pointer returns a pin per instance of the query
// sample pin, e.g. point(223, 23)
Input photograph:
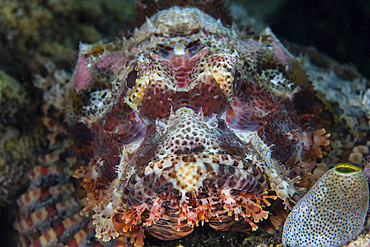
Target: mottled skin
point(189, 122)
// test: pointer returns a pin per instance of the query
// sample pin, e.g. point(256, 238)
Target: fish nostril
point(198, 149)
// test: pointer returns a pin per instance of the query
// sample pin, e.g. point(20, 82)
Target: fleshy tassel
point(251, 203)
point(155, 211)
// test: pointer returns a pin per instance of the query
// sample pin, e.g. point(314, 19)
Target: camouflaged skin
point(185, 122)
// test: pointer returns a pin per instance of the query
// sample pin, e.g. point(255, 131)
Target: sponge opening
point(346, 168)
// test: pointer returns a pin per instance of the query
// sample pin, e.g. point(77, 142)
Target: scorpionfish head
point(189, 122)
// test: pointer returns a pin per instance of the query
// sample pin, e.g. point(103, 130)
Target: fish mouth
point(191, 169)
point(176, 193)
point(189, 174)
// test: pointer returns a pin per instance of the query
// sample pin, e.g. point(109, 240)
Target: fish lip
point(195, 173)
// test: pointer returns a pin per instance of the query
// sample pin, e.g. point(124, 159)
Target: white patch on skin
point(179, 49)
point(125, 158)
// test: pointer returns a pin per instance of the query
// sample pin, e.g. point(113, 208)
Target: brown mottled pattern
point(187, 122)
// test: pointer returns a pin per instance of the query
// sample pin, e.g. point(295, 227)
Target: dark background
point(338, 28)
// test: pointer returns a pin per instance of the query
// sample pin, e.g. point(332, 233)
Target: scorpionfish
point(186, 122)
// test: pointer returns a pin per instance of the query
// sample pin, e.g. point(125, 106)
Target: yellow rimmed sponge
point(332, 213)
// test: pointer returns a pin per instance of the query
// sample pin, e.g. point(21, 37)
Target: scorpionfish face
point(187, 122)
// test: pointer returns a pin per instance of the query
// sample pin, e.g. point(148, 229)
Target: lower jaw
point(175, 194)
point(170, 217)
point(179, 220)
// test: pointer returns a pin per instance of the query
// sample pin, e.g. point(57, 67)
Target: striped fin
point(39, 196)
point(82, 238)
point(59, 233)
point(47, 175)
point(41, 218)
point(49, 212)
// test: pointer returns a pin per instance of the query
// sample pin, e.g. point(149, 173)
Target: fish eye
point(131, 79)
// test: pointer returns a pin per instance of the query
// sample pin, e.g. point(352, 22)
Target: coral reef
point(345, 92)
point(332, 213)
point(18, 153)
point(362, 240)
point(11, 91)
point(30, 31)
point(35, 29)
point(342, 110)
point(20, 139)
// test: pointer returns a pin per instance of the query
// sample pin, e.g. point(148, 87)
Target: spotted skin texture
point(185, 123)
point(340, 214)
